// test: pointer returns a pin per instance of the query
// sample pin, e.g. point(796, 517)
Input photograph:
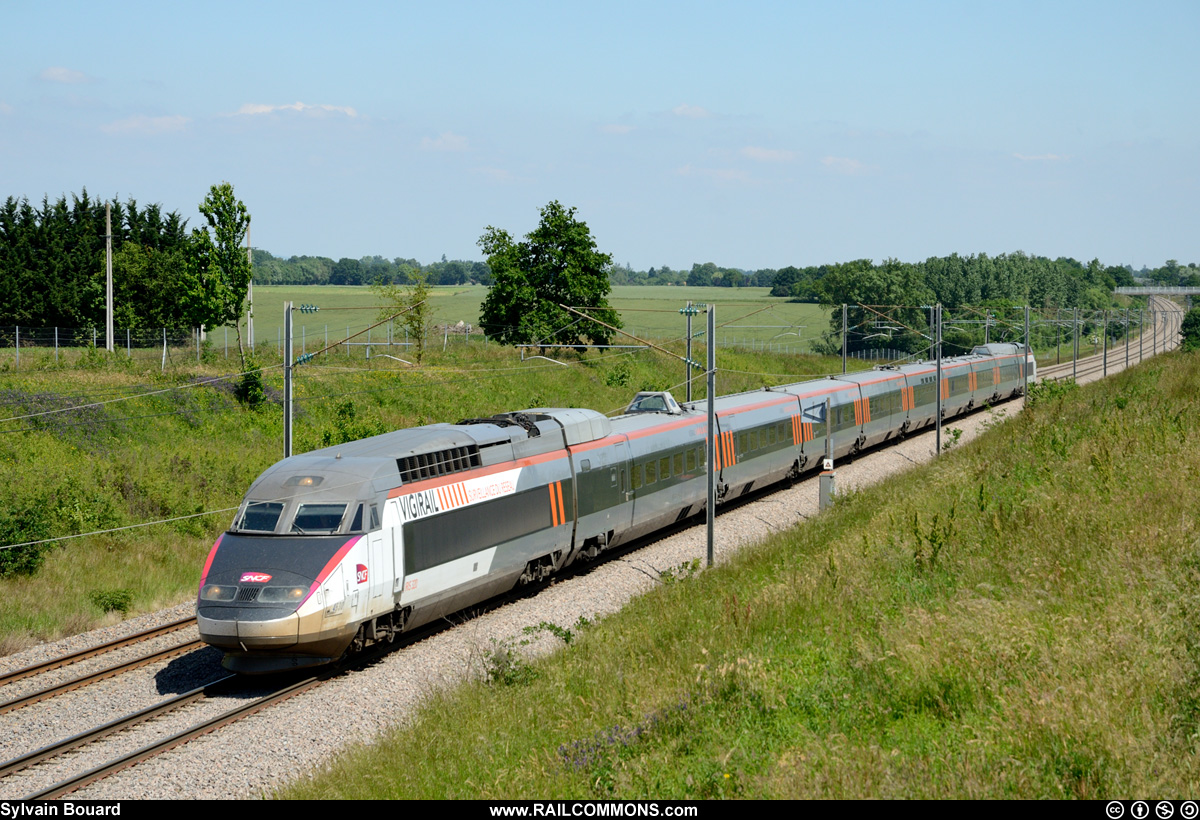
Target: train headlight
point(282, 595)
point(217, 592)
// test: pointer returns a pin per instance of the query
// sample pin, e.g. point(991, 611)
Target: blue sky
point(750, 134)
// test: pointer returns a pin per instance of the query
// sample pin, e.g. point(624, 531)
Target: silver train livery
point(348, 545)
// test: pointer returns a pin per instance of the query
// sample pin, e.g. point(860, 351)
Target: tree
point(412, 303)
point(218, 272)
point(558, 263)
point(1190, 330)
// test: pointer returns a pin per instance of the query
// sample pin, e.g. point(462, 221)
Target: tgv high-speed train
point(348, 545)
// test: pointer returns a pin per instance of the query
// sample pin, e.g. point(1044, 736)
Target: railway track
point(102, 673)
point(1164, 336)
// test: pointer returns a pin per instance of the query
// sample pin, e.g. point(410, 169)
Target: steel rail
point(91, 652)
point(75, 741)
point(166, 744)
point(108, 672)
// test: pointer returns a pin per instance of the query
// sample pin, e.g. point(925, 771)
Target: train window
point(261, 516)
point(356, 526)
point(323, 519)
point(691, 460)
point(374, 517)
point(664, 468)
point(637, 476)
point(678, 464)
point(771, 434)
point(703, 456)
point(651, 473)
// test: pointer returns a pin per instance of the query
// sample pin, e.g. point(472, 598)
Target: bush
point(112, 600)
point(18, 525)
point(249, 390)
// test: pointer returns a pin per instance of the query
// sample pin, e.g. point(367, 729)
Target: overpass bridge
point(1158, 290)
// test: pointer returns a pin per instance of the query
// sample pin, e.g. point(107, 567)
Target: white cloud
point(1041, 157)
point(444, 141)
point(616, 129)
point(58, 74)
point(719, 174)
point(844, 165)
point(497, 174)
point(303, 108)
point(692, 112)
point(767, 154)
point(141, 124)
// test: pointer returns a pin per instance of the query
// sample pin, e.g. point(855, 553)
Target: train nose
point(248, 629)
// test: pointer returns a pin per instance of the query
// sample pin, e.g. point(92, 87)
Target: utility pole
point(287, 379)
point(843, 339)
point(1126, 338)
point(108, 291)
point(250, 293)
point(711, 511)
point(1075, 343)
point(1025, 364)
point(1104, 373)
point(689, 311)
point(937, 312)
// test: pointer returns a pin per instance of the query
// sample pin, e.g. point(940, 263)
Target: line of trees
point(369, 270)
point(52, 262)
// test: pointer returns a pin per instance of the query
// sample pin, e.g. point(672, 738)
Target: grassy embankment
point(195, 449)
point(1019, 619)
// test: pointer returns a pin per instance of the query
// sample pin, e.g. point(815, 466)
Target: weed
point(562, 633)
point(930, 544)
point(503, 665)
point(954, 435)
point(686, 570)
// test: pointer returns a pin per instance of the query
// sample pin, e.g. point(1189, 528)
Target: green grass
point(1017, 620)
point(649, 312)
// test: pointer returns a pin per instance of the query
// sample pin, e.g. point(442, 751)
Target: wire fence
point(31, 348)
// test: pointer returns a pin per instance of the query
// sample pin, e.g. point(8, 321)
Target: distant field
point(649, 312)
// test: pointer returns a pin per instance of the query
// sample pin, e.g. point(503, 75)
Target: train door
point(620, 479)
point(333, 593)
point(396, 537)
point(379, 573)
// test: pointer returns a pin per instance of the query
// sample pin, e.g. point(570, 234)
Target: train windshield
point(261, 516)
point(320, 519)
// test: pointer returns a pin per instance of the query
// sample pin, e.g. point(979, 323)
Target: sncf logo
point(255, 578)
point(361, 573)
